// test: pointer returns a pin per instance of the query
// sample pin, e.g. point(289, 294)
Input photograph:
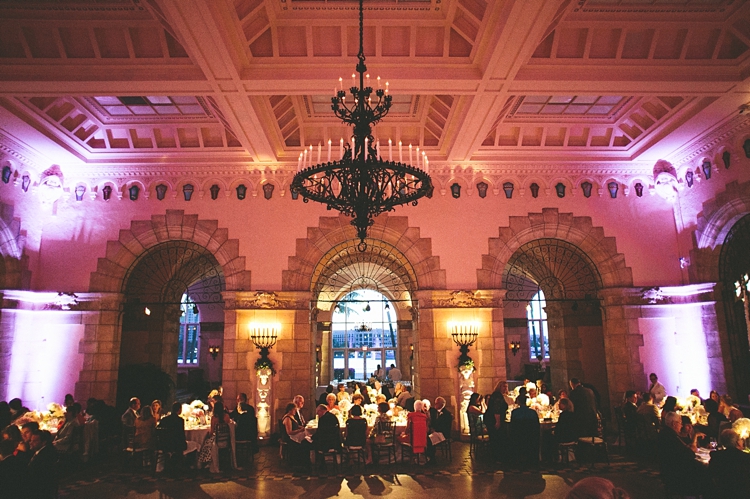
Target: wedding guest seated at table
point(331, 403)
point(524, 432)
point(69, 436)
point(681, 472)
point(475, 404)
point(247, 426)
point(380, 399)
point(328, 435)
point(695, 393)
point(4, 414)
point(670, 403)
point(565, 430)
point(41, 480)
point(648, 419)
point(381, 388)
point(357, 399)
point(715, 418)
point(68, 400)
point(735, 414)
point(365, 394)
point(402, 396)
point(322, 398)
point(356, 432)
point(299, 402)
point(537, 399)
point(241, 399)
point(171, 431)
point(24, 446)
point(294, 435)
point(417, 424)
point(12, 471)
point(342, 393)
point(726, 405)
point(630, 416)
point(730, 466)
point(16, 409)
point(440, 422)
point(131, 414)
point(12, 433)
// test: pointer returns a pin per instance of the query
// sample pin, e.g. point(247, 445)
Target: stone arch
point(122, 253)
point(393, 230)
point(579, 231)
point(712, 226)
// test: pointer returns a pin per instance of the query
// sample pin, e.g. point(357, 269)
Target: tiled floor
point(267, 476)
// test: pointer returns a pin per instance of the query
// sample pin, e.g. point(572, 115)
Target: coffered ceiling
point(475, 82)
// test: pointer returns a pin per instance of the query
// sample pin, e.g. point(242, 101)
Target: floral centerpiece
point(264, 364)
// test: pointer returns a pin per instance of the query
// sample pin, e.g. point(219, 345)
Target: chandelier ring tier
point(361, 185)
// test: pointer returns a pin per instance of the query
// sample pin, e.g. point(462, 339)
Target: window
point(537, 321)
point(363, 335)
point(187, 344)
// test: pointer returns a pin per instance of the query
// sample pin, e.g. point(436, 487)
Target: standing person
point(494, 420)
point(379, 373)
point(657, 390)
point(584, 402)
point(394, 373)
point(128, 419)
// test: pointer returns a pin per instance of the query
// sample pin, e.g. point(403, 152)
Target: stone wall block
point(173, 223)
point(285, 345)
point(159, 227)
point(187, 229)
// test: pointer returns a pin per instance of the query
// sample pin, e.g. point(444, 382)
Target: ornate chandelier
point(360, 184)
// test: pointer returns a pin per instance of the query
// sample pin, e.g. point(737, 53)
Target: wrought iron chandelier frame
point(361, 185)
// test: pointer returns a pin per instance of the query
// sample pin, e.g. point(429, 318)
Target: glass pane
point(390, 357)
point(181, 345)
point(356, 365)
point(192, 344)
point(339, 363)
point(374, 359)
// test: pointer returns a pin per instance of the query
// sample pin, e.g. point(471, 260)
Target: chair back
point(356, 433)
point(222, 435)
point(476, 425)
point(388, 430)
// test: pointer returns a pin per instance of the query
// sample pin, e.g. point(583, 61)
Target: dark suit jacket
point(677, 461)
point(13, 476)
point(730, 471)
point(42, 477)
point(328, 435)
point(173, 428)
point(584, 408)
point(630, 412)
point(442, 422)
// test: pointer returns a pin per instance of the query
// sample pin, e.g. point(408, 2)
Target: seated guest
point(16, 409)
point(524, 431)
point(12, 433)
point(172, 432)
point(41, 477)
point(324, 395)
point(241, 399)
point(24, 446)
point(357, 399)
point(730, 467)
point(331, 403)
point(417, 424)
point(131, 414)
point(293, 434)
point(342, 394)
point(383, 409)
point(356, 432)
point(402, 396)
point(715, 418)
point(561, 394)
point(67, 438)
point(144, 429)
point(670, 403)
point(365, 394)
point(537, 399)
point(380, 388)
point(687, 434)
point(681, 472)
point(441, 419)
point(68, 401)
point(648, 419)
point(714, 395)
point(735, 414)
point(630, 414)
point(475, 404)
point(247, 426)
point(4, 414)
point(726, 405)
point(299, 402)
point(328, 434)
point(695, 393)
point(565, 431)
point(12, 470)
point(380, 398)
point(509, 399)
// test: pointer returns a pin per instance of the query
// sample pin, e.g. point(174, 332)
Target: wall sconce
point(534, 190)
point(268, 190)
point(80, 191)
point(215, 191)
point(214, 350)
point(464, 335)
point(560, 189)
point(147, 311)
point(133, 192)
point(689, 178)
point(6, 174)
point(25, 182)
point(264, 337)
point(725, 156)
point(586, 187)
point(456, 190)
point(241, 192)
point(317, 354)
point(187, 191)
point(411, 352)
point(295, 194)
point(508, 188)
point(638, 189)
point(706, 166)
point(482, 189)
point(161, 191)
point(107, 192)
point(613, 187)
point(514, 346)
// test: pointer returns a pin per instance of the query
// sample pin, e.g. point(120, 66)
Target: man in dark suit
point(128, 419)
point(730, 467)
point(630, 417)
point(42, 478)
point(441, 421)
point(173, 431)
point(12, 470)
point(328, 434)
point(681, 472)
point(584, 404)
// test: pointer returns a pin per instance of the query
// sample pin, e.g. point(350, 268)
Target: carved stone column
point(466, 387)
point(263, 402)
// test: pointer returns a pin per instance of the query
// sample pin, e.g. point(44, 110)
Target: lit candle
point(319, 147)
point(411, 159)
point(341, 83)
point(386, 88)
point(400, 152)
point(426, 165)
point(378, 147)
point(304, 161)
point(352, 147)
point(341, 147)
point(366, 148)
point(329, 151)
point(390, 146)
point(309, 158)
point(368, 79)
point(417, 156)
point(378, 82)
point(299, 162)
point(354, 80)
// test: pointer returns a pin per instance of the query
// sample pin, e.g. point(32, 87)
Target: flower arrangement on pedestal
point(263, 364)
point(465, 363)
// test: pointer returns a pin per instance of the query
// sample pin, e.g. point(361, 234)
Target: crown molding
point(704, 143)
point(20, 152)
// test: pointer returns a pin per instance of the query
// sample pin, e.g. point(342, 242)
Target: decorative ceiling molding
point(20, 152)
point(700, 145)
